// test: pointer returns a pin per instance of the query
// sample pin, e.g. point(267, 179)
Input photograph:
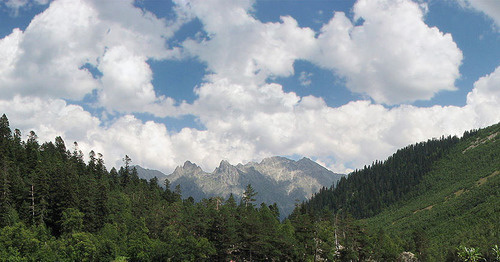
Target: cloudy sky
point(342, 82)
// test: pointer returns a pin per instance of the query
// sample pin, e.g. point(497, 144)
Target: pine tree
point(125, 171)
point(5, 194)
point(5, 135)
point(101, 209)
point(61, 148)
point(249, 196)
point(32, 151)
point(41, 195)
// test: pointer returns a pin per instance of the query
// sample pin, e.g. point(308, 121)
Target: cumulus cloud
point(52, 56)
point(245, 49)
point(126, 81)
point(487, 7)
point(353, 134)
point(393, 56)
point(349, 136)
point(41, 65)
point(15, 5)
point(344, 137)
point(49, 118)
point(305, 78)
point(484, 99)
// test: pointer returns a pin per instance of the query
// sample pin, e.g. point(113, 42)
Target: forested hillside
point(430, 198)
point(366, 192)
point(56, 207)
point(457, 202)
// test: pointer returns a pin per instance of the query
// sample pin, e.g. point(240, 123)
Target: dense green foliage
point(440, 200)
point(56, 207)
point(430, 198)
point(459, 201)
point(366, 192)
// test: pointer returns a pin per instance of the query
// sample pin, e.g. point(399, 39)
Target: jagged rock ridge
point(276, 179)
point(147, 174)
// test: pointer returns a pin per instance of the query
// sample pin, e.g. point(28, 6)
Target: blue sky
point(342, 82)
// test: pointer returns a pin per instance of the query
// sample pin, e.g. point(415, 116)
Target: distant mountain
point(276, 179)
point(149, 173)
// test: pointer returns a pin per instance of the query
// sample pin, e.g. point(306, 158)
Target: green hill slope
point(459, 201)
point(429, 197)
point(366, 192)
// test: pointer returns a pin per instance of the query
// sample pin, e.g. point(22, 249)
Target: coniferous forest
point(367, 191)
point(54, 206)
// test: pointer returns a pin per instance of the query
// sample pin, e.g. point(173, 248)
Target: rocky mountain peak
point(276, 179)
point(275, 160)
point(307, 163)
point(224, 164)
point(188, 167)
point(306, 160)
point(227, 172)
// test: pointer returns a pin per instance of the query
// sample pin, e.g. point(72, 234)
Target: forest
point(439, 198)
point(366, 192)
point(55, 206)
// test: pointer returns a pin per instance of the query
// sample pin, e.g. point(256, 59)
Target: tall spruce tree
point(249, 196)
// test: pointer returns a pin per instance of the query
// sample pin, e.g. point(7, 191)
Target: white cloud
point(48, 59)
point(245, 50)
point(345, 137)
point(49, 118)
point(246, 117)
point(484, 99)
point(490, 8)
point(127, 79)
point(15, 5)
point(305, 78)
point(279, 123)
point(393, 56)
point(41, 65)
point(272, 122)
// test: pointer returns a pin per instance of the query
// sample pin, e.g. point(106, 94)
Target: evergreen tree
point(249, 196)
point(5, 194)
point(5, 135)
point(125, 176)
point(72, 221)
point(32, 151)
point(56, 207)
point(41, 195)
point(61, 148)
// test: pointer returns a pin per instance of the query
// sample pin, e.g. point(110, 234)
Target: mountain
point(433, 201)
point(431, 197)
point(276, 180)
point(147, 174)
point(366, 192)
point(55, 206)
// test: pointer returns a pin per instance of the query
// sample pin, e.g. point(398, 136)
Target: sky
point(342, 82)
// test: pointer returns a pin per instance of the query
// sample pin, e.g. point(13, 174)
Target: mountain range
point(437, 200)
point(276, 180)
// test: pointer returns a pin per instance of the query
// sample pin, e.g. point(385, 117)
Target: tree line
point(54, 206)
point(366, 192)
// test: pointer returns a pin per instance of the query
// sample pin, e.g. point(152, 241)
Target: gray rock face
point(276, 180)
point(149, 173)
